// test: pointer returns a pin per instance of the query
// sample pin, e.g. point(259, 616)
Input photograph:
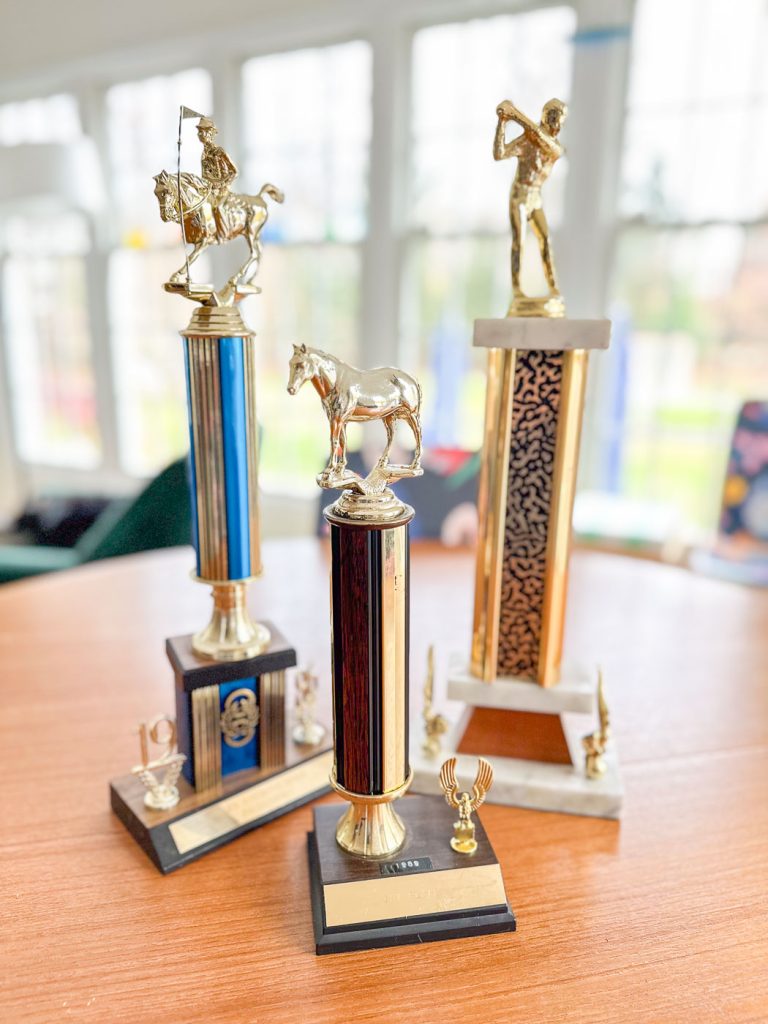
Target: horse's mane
point(193, 187)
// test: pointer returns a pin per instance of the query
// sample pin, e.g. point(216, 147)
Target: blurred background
point(377, 120)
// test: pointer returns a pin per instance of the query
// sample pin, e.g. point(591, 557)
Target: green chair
point(158, 518)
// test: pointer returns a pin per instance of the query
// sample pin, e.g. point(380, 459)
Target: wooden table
point(662, 917)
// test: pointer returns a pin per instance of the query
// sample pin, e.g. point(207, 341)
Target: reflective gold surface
point(239, 717)
point(492, 512)
point(537, 150)
point(398, 898)
point(272, 733)
point(210, 213)
point(596, 743)
point(561, 515)
point(231, 634)
point(206, 738)
point(162, 793)
point(435, 725)
point(463, 840)
point(370, 827)
point(349, 395)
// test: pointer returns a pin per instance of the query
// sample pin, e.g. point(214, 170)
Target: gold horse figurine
point(350, 395)
point(463, 840)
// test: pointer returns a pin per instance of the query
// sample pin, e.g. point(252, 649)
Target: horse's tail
point(418, 397)
point(272, 191)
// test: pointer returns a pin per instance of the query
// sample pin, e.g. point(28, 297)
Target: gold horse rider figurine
point(537, 151)
point(463, 840)
point(350, 395)
point(217, 167)
point(210, 213)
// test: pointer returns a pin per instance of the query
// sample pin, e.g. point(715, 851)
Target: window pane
point(143, 124)
point(307, 126)
point(310, 294)
point(460, 74)
point(52, 119)
point(48, 342)
point(448, 284)
point(698, 92)
point(696, 303)
point(143, 120)
point(148, 358)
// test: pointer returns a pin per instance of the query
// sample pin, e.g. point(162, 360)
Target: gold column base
point(370, 827)
point(231, 635)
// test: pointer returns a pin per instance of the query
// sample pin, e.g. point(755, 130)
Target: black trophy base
point(425, 893)
point(202, 822)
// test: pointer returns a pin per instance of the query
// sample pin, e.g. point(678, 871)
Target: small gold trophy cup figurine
point(380, 876)
point(596, 743)
point(435, 725)
point(463, 840)
point(307, 731)
point(537, 150)
point(162, 793)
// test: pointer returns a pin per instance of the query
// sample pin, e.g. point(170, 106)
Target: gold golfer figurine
point(210, 213)
point(307, 732)
point(595, 743)
point(463, 840)
point(435, 725)
point(537, 151)
point(162, 794)
point(350, 395)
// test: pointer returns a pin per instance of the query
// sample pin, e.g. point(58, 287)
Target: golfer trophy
point(515, 686)
point(383, 871)
point(241, 766)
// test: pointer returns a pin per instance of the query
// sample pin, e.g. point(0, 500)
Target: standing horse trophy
point(360, 897)
point(519, 690)
point(230, 676)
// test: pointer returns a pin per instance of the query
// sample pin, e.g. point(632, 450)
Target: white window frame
point(594, 139)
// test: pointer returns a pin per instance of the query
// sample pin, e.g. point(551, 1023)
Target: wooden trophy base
point(424, 893)
point(201, 822)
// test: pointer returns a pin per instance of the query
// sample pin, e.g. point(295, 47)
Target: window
point(44, 301)
point(43, 252)
point(691, 270)
point(142, 121)
point(457, 253)
point(306, 129)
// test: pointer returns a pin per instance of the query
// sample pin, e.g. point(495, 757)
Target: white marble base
point(531, 784)
point(540, 333)
point(575, 691)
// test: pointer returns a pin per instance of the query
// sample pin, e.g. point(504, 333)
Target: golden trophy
point(380, 876)
point(516, 687)
point(241, 768)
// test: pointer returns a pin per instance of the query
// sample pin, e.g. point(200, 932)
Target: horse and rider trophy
point(241, 765)
point(515, 687)
point(380, 876)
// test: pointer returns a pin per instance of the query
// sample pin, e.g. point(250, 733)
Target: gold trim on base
point(370, 827)
point(231, 634)
point(216, 322)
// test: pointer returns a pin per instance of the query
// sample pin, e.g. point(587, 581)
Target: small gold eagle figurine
point(463, 840)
